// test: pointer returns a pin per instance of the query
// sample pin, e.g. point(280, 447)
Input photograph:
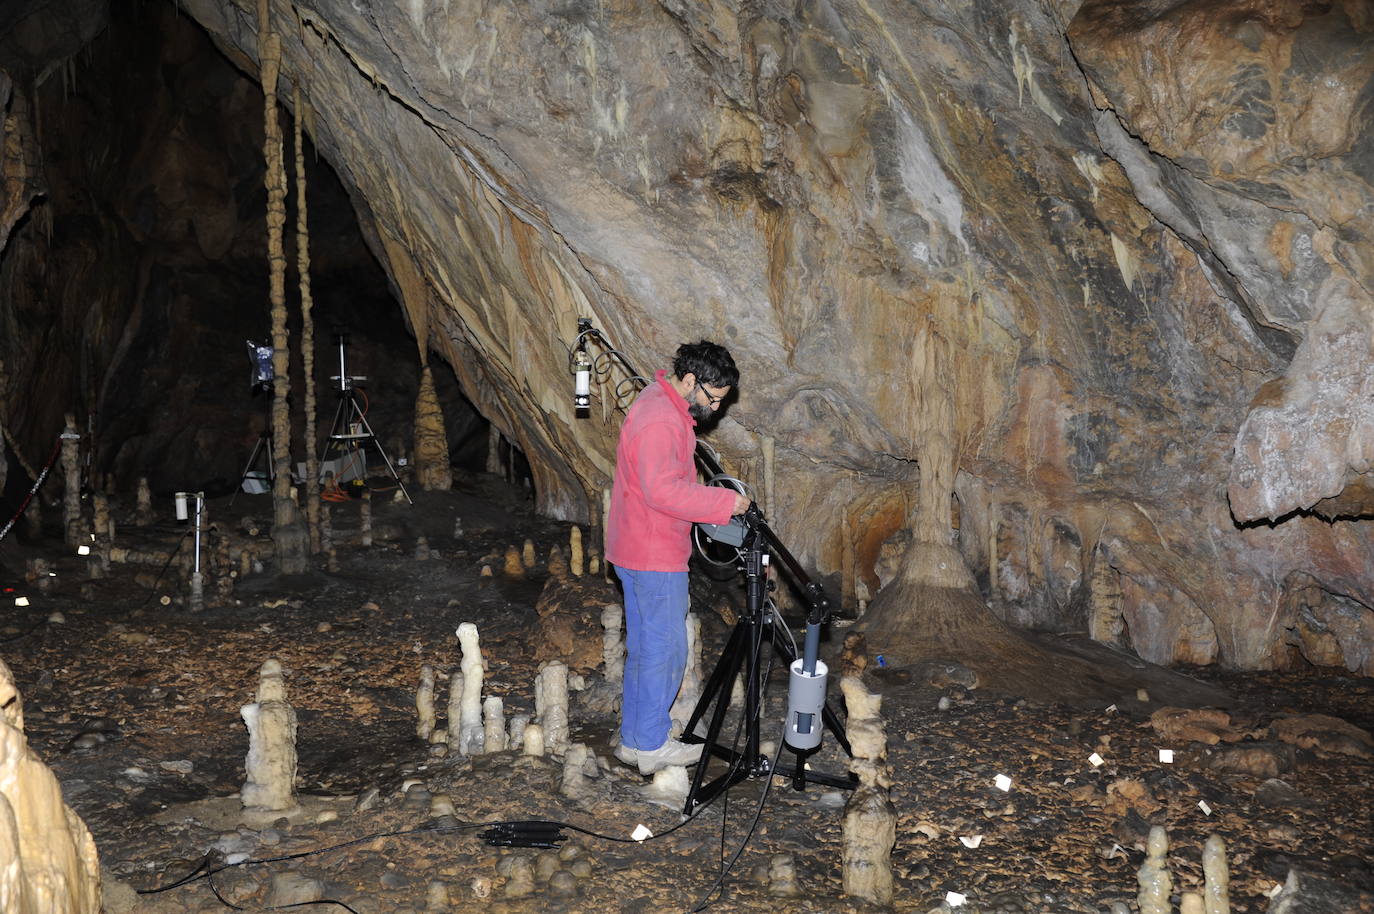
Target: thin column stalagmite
point(312, 466)
point(71, 471)
point(493, 451)
point(869, 830)
point(472, 734)
point(144, 510)
point(424, 704)
point(288, 535)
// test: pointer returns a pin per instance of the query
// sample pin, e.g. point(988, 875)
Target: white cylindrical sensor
point(180, 498)
point(805, 702)
point(584, 383)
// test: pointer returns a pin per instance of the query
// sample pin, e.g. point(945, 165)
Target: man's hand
point(742, 503)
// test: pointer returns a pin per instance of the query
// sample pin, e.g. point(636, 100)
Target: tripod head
point(345, 380)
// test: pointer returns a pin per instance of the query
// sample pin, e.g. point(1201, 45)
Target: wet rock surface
point(159, 788)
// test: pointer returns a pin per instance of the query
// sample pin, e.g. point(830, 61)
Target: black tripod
point(744, 649)
point(263, 445)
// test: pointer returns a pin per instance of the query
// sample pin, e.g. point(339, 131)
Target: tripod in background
point(351, 433)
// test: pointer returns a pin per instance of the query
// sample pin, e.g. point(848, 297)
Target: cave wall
point(829, 186)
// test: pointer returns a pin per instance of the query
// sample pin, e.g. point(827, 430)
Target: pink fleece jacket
point(655, 497)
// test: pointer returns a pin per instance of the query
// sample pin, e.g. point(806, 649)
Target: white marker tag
point(971, 841)
point(1166, 756)
point(1111, 709)
point(83, 549)
point(21, 601)
point(1096, 760)
point(1202, 805)
point(641, 832)
point(954, 899)
point(1002, 782)
point(1274, 892)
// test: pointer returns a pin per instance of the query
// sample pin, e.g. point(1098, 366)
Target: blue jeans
point(656, 605)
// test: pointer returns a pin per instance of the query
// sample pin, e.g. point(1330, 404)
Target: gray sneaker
point(672, 752)
point(627, 755)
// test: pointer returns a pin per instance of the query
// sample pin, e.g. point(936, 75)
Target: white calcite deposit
point(870, 820)
point(48, 862)
point(472, 736)
point(271, 762)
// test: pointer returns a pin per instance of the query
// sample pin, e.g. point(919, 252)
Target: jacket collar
point(673, 397)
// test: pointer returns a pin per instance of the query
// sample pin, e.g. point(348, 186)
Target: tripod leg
point(717, 689)
point(373, 438)
point(248, 468)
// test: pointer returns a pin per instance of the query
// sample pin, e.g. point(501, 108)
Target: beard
point(700, 413)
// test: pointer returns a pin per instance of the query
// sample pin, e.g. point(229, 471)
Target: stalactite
point(312, 467)
point(287, 533)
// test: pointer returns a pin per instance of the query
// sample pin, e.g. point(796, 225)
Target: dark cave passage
point(139, 276)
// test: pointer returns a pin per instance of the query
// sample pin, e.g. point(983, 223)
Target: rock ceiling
point(1140, 234)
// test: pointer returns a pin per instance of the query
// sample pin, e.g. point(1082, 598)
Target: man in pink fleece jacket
point(655, 499)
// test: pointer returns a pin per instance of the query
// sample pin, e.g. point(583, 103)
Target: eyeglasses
point(710, 400)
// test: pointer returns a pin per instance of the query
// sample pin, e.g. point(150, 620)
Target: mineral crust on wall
point(1136, 243)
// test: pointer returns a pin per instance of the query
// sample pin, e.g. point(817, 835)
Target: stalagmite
point(1216, 876)
point(493, 451)
point(533, 743)
point(455, 710)
point(551, 704)
point(1191, 903)
point(365, 517)
point(515, 568)
point(574, 782)
point(472, 737)
point(71, 471)
point(494, 725)
point(327, 537)
point(690, 690)
point(421, 549)
point(312, 465)
point(612, 648)
point(143, 512)
point(575, 557)
point(558, 566)
point(48, 862)
point(782, 877)
point(870, 820)
point(288, 533)
point(437, 898)
point(594, 561)
point(431, 442)
point(271, 762)
point(520, 878)
point(1153, 876)
point(424, 704)
point(528, 555)
point(516, 729)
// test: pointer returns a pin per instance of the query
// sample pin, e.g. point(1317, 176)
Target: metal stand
point(351, 432)
point(263, 445)
point(744, 649)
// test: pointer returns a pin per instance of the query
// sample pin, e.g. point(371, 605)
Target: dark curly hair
point(710, 362)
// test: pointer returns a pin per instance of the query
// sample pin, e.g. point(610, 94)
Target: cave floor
point(135, 706)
